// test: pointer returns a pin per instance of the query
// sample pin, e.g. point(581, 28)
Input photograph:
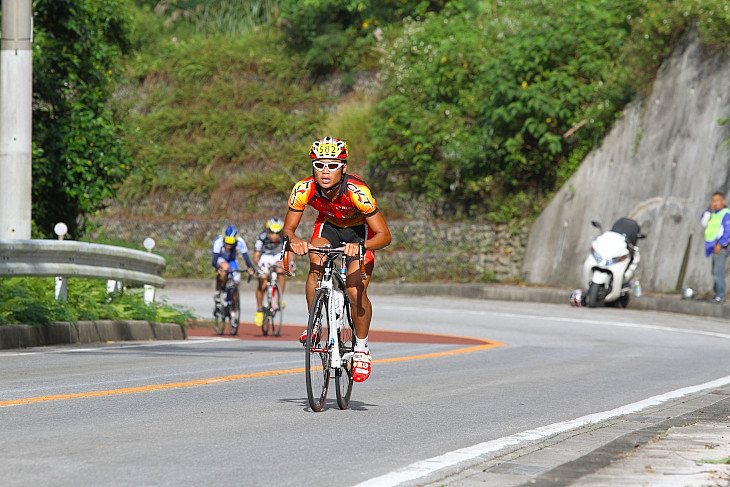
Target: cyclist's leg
point(265, 262)
point(221, 276)
point(362, 311)
point(260, 292)
point(236, 276)
point(362, 308)
point(280, 277)
point(316, 268)
point(321, 235)
point(316, 265)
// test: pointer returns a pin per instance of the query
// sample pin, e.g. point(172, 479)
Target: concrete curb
point(85, 332)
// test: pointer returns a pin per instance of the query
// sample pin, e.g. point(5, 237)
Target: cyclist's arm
point(256, 257)
point(291, 222)
point(381, 237)
point(215, 254)
point(249, 264)
point(241, 246)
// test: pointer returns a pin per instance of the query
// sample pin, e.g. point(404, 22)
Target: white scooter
point(611, 266)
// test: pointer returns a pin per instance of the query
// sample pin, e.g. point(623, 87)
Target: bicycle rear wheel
point(235, 315)
point(317, 356)
point(343, 375)
point(275, 314)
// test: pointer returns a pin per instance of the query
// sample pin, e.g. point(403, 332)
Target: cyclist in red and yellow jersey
point(348, 215)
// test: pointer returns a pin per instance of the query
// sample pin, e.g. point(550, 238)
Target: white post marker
point(149, 290)
point(61, 292)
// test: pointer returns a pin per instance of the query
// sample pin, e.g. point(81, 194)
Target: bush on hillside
point(338, 36)
point(475, 108)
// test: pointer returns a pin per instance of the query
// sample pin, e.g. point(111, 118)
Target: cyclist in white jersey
point(267, 252)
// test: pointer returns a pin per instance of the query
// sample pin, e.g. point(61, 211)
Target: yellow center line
point(228, 378)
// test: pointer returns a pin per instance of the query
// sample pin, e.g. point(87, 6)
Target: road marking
point(618, 324)
point(154, 387)
point(110, 346)
point(579, 320)
point(229, 378)
point(419, 470)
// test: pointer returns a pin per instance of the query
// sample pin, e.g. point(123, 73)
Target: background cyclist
point(225, 248)
point(347, 214)
point(267, 252)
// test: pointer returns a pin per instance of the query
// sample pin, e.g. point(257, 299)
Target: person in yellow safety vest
point(716, 221)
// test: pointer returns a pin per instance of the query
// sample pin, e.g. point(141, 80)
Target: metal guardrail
point(66, 258)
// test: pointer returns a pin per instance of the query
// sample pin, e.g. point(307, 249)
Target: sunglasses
point(332, 166)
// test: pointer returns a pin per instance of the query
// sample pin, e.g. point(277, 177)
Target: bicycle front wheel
point(317, 356)
point(275, 314)
point(343, 375)
point(235, 315)
point(266, 306)
point(219, 320)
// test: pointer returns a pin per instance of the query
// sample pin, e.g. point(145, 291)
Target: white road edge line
point(620, 324)
point(423, 468)
point(113, 346)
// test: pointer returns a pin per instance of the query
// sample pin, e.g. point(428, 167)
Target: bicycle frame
point(326, 283)
point(224, 310)
point(228, 288)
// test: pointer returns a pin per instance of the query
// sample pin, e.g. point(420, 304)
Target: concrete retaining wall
point(659, 165)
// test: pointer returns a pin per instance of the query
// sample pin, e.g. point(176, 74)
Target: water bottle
point(637, 289)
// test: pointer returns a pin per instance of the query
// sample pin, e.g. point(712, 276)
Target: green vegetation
point(209, 105)
point(341, 36)
point(481, 106)
point(31, 301)
point(79, 158)
point(484, 106)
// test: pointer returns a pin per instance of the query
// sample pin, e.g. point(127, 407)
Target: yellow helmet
point(274, 225)
point(230, 234)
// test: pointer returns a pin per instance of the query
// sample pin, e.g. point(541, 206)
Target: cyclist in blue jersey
point(225, 249)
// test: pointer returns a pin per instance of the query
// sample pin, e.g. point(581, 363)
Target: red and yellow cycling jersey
point(352, 205)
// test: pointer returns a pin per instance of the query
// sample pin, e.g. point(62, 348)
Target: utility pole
point(16, 118)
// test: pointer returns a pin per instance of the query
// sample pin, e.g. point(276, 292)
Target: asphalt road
point(227, 411)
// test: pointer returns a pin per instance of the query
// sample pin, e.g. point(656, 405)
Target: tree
point(78, 155)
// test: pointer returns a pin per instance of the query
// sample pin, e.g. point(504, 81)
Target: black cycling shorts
point(338, 236)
